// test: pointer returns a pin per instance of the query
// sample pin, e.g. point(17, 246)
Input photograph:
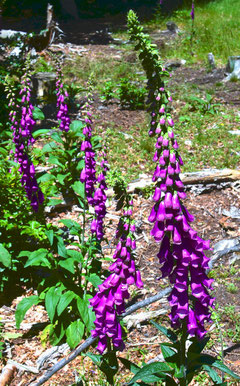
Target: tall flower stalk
point(62, 114)
point(21, 117)
point(192, 14)
point(181, 252)
point(100, 198)
point(109, 301)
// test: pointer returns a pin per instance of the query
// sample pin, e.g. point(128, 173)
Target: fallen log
point(205, 177)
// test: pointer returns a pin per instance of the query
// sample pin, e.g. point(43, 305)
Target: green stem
point(183, 359)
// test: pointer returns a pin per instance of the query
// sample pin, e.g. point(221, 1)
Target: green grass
point(216, 30)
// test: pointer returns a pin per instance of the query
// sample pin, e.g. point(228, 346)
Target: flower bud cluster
point(109, 301)
point(100, 199)
point(181, 252)
point(62, 114)
point(22, 127)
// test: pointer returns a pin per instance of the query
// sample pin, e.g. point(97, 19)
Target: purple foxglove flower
point(168, 200)
point(192, 11)
point(170, 122)
point(109, 300)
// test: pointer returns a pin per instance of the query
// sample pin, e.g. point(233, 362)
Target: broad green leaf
point(76, 255)
point(46, 177)
point(75, 333)
point(56, 137)
point(40, 132)
point(197, 345)
point(38, 258)
point(38, 114)
point(79, 188)
point(64, 301)
point(50, 235)
point(167, 351)
point(71, 224)
point(129, 365)
point(55, 201)
point(61, 178)
point(48, 148)
point(213, 374)
point(86, 312)
point(221, 366)
point(51, 300)
point(5, 257)
point(68, 264)
point(77, 126)
point(55, 161)
point(23, 307)
point(24, 253)
point(96, 358)
point(94, 279)
point(3, 151)
point(61, 248)
point(168, 333)
point(152, 372)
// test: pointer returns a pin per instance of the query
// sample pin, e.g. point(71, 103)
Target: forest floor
point(24, 345)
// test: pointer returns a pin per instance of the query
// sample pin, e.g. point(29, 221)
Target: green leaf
point(94, 279)
point(3, 151)
point(40, 132)
point(197, 345)
point(77, 126)
point(5, 257)
point(49, 147)
point(71, 224)
point(38, 114)
point(61, 248)
point(55, 161)
point(61, 177)
point(129, 365)
point(96, 358)
point(50, 235)
point(46, 177)
point(68, 264)
point(23, 307)
point(75, 333)
point(205, 359)
point(38, 258)
point(51, 300)
point(64, 301)
point(75, 254)
point(213, 374)
point(152, 372)
point(55, 201)
point(167, 351)
point(86, 312)
point(168, 333)
point(79, 188)
point(221, 366)
point(57, 137)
